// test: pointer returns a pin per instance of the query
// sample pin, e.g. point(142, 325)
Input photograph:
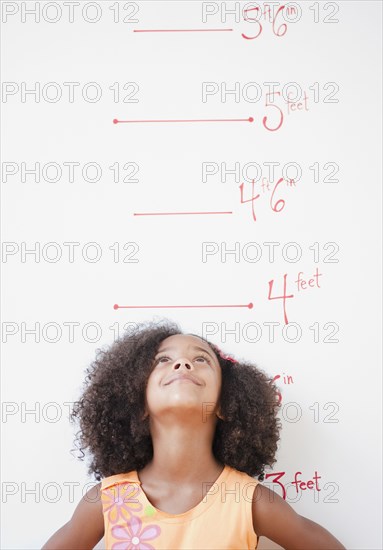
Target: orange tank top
point(222, 520)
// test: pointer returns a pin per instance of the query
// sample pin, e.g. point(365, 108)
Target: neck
point(182, 451)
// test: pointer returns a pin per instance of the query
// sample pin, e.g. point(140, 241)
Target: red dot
point(115, 121)
point(251, 119)
point(115, 306)
point(250, 306)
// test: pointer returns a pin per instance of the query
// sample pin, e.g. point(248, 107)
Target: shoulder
point(87, 519)
point(272, 515)
point(91, 501)
point(275, 519)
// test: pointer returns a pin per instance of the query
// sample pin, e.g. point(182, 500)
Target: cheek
point(149, 385)
point(153, 383)
point(219, 382)
point(214, 383)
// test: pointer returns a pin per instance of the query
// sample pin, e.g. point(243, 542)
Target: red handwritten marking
point(277, 476)
point(302, 484)
point(281, 202)
point(252, 198)
point(250, 119)
point(281, 31)
point(174, 213)
point(278, 392)
point(271, 283)
point(182, 30)
point(283, 26)
point(252, 19)
point(302, 283)
point(286, 380)
point(249, 306)
point(276, 107)
point(278, 206)
point(294, 105)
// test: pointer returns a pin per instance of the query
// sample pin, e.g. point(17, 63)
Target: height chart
point(216, 164)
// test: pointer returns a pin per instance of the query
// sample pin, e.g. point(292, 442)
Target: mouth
point(183, 378)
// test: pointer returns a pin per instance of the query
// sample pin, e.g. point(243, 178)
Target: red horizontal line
point(174, 213)
point(250, 119)
point(249, 306)
point(182, 30)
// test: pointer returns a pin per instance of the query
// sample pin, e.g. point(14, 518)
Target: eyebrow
point(193, 347)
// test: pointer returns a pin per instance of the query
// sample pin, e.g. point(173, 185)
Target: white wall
point(341, 376)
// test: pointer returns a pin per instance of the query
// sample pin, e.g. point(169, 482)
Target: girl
point(178, 431)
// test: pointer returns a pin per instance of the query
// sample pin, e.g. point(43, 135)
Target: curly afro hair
point(111, 408)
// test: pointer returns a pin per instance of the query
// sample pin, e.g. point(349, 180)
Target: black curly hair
point(112, 406)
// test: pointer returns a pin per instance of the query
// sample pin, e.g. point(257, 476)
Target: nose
point(182, 363)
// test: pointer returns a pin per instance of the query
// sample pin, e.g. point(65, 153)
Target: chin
point(181, 403)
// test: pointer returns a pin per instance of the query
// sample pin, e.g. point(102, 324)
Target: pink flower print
point(120, 501)
point(132, 537)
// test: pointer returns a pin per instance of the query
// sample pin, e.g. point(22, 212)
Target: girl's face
point(186, 377)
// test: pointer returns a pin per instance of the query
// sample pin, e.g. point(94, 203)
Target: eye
point(204, 357)
point(159, 359)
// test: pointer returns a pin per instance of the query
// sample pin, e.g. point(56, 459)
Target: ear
point(219, 414)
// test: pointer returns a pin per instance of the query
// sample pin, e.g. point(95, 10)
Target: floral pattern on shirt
point(133, 536)
point(120, 502)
